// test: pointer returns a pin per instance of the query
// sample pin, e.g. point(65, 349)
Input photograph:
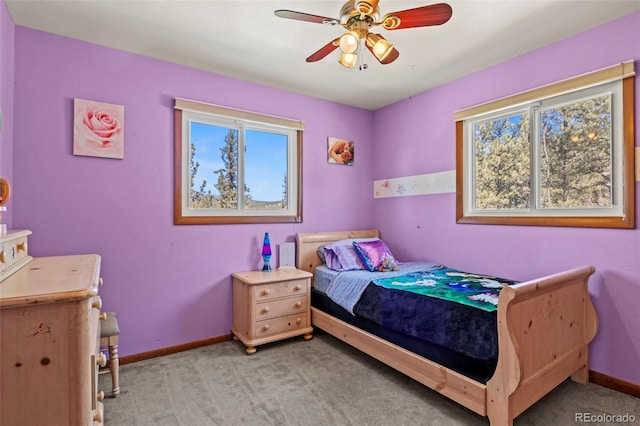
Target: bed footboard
point(544, 329)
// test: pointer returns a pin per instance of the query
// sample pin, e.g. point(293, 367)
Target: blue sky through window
point(265, 160)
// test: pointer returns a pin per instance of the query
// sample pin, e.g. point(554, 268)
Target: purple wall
point(7, 31)
point(169, 284)
point(421, 227)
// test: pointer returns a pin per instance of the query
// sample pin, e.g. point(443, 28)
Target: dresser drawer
point(280, 289)
point(280, 325)
point(280, 307)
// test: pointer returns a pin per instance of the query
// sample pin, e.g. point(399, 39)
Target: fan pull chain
point(361, 57)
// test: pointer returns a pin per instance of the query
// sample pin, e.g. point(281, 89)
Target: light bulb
point(378, 46)
point(348, 60)
point(349, 42)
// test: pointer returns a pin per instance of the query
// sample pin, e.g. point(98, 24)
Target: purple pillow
point(342, 256)
point(372, 253)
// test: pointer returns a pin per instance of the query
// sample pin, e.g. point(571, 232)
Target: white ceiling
point(244, 39)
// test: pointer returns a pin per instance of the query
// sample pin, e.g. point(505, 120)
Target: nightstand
point(270, 306)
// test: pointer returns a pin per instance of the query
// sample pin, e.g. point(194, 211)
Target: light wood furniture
point(544, 329)
point(49, 325)
point(270, 306)
point(109, 332)
point(14, 252)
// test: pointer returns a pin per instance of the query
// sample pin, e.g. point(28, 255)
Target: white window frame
point(186, 112)
point(618, 81)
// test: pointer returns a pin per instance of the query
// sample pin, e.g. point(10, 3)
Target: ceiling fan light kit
point(380, 47)
point(349, 60)
point(349, 42)
point(358, 17)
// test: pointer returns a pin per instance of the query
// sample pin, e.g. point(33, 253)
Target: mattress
point(478, 370)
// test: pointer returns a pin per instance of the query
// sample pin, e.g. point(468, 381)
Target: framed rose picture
point(98, 129)
point(341, 151)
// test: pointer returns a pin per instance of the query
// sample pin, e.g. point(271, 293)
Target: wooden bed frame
point(544, 329)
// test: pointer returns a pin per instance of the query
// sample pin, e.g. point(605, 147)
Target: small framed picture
point(341, 151)
point(98, 129)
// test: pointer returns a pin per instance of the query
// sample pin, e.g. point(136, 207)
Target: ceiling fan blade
point(300, 16)
point(324, 50)
point(425, 16)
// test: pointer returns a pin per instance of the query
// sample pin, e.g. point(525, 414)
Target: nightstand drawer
point(280, 325)
point(280, 289)
point(280, 307)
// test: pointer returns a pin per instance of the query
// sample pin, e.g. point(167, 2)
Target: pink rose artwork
point(98, 129)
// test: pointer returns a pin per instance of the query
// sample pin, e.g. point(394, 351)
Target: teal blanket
point(480, 291)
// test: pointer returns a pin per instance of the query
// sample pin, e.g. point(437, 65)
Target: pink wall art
point(98, 129)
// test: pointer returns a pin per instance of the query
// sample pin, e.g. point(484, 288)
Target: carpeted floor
point(319, 382)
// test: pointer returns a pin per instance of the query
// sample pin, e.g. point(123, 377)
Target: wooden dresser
point(270, 306)
point(49, 337)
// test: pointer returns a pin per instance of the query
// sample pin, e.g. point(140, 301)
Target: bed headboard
point(308, 242)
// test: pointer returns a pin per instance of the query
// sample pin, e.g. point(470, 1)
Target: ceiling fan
point(358, 17)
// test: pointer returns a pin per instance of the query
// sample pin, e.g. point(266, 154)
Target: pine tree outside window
point(234, 166)
point(562, 155)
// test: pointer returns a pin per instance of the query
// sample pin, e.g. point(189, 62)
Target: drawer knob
point(298, 320)
point(266, 327)
point(297, 288)
point(298, 304)
point(103, 316)
point(100, 396)
point(97, 303)
point(101, 360)
point(265, 292)
point(266, 310)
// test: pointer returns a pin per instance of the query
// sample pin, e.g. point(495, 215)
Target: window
point(234, 166)
point(561, 155)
